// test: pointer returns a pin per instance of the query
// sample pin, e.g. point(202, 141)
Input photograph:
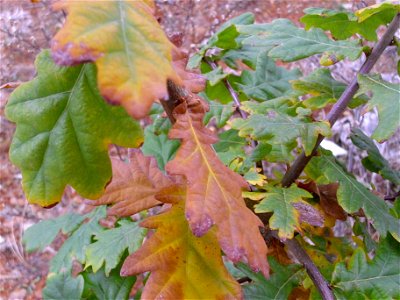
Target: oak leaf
point(134, 185)
point(132, 54)
point(63, 130)
point(182, 265)
point(282, 202)
point(213, 190)
point(327, 198)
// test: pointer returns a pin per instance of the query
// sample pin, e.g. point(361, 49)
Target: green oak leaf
point(274, 152)
point(75, 246)
point(284, 41)
point(386, 97)
point(351, 194)
point(219, 91)
point(281, 202)
point(374, 162)
point(379, 10)
point(279, 286)
point(268, 81)
point(282, 128)
point(159, 146)
point(63, 286)
point(111, 244)
point(100, 286)
point(219, 112)
point(246, 54)
point(377, 279)
point(230, 146)
point(343, 24)
point(224, 38)
point(323, 90)
point(63, 131)
point(215, 76)
point(42, 234)
point(282, 104)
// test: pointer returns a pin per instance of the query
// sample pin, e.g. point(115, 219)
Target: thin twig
point(337, 110)
point(233, 93)
point(243, 114)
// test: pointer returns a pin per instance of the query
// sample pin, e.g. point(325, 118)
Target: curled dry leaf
point(214, 192)
point(132, 53)
point(134, 185)
point(182, 265)
point(327, 198)
point(309, 214)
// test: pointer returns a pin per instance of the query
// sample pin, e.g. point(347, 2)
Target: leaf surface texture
point(63, 132)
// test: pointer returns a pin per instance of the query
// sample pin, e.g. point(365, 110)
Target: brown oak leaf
point(134, 185)
point(214, 192)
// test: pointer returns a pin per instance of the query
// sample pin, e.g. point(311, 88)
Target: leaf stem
point(337, 110)
point(233, 93)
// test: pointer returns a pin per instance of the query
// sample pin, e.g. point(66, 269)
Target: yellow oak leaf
point(132, 53)
point(134, 185)
point(182, 265)
point(214, 192)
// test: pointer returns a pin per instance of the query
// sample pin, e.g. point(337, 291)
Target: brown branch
point(315, 275)
point(233, 93)
point(337, 110)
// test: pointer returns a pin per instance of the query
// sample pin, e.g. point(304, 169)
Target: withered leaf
point(182, 265)
point(214, 192)
point(134, 185)
point(131, 51)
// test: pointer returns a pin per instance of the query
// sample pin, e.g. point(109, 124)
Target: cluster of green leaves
point(197, 174)
point(99, 251)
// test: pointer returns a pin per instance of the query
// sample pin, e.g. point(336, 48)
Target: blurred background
point(27, 26)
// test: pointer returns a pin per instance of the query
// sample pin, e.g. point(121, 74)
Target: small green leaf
point(374, 162)
point(344, 24)
point(75, 246)
point(160, 146)
point(351, 194)
point(260, 152)
point(280, 201)
point(110, 245)
point(102, 287)
point(284, 41)
point(229, 140)
point(378, 10)
point(42, 234)
point(282, 128)
point(268, 81)
point(279, 286)
point(224, 38)
point(63, 131)
point(246, 54)
point(219, 112)
point(378, 279)
point(386, 97)
point(215, 76)
point(219, 91)
point(63, 286)
point(323, 89)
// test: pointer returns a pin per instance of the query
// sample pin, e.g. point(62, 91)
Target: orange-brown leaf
point(131, 51)
point(134, 185)
point(327, 197)
point(214, 192)
point(182, 265)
